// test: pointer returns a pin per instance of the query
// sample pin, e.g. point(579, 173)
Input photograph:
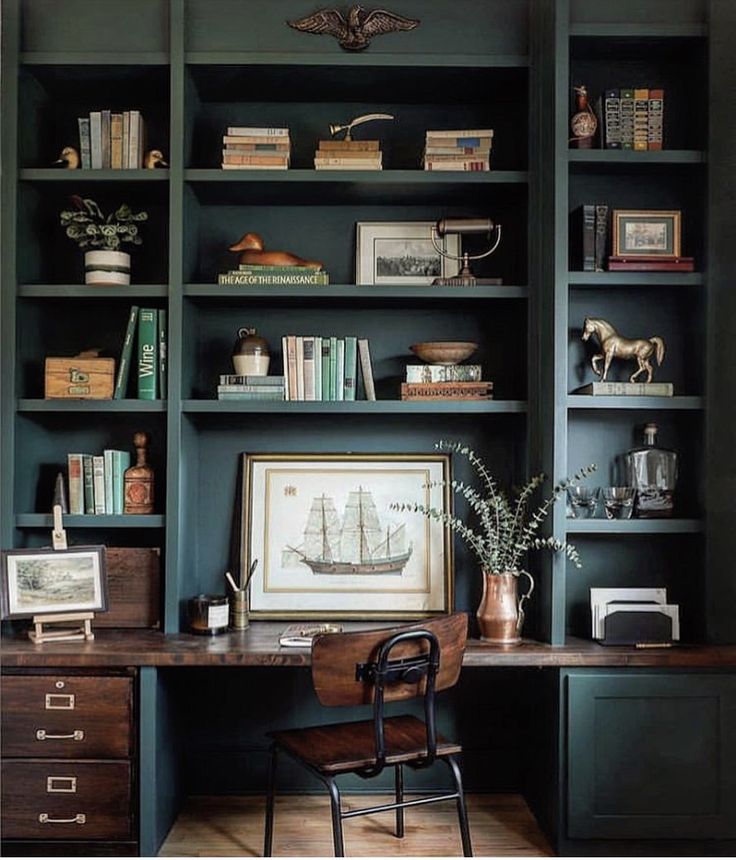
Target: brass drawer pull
point(79, 818)
point(61, 784)
point(76, 735)
point(59, 701)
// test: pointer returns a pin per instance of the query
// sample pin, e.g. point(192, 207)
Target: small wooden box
point(79, 378)
point(133, 582)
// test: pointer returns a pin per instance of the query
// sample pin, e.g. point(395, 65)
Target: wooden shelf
point(634, 527)
point(50, 174)
point(636, 30)
point(356, 407)
point(82, 291)
point(94, 58)
point(605, 280)
point(32, 405)
point(353, 60)
point(602, 157)
point(415, 177)
point(98, 521)
point(351, 292)
point(586, 401)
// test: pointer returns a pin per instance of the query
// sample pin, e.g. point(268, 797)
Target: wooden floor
point(500, 825)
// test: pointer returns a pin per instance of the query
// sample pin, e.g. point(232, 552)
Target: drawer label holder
point(60, 701)
point(61, 784)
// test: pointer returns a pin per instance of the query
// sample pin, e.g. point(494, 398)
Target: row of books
point(348, 155)
point(255, 275)
point(461, 149)
point(633, 118)
point(256, 148)
point(110, 140)
point(146, 334)
point(96, 483)
point(440, 382)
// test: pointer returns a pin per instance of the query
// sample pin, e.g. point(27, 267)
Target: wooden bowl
point(446, 352)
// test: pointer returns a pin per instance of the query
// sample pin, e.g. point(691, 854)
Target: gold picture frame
point(647, 233)
point(328, 545)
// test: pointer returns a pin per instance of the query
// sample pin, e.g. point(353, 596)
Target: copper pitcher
point(500, 614)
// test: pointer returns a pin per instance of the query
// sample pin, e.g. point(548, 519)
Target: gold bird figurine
point(253, 252)
point(153, 159)
point(69, 157)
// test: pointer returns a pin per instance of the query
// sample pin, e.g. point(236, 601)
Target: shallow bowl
point(445, 352)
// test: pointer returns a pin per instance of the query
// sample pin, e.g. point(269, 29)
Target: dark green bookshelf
point(358, 407)
point(87, 406)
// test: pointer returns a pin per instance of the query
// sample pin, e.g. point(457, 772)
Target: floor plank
point(500, 825)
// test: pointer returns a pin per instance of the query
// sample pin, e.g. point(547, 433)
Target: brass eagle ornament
point(355, 33)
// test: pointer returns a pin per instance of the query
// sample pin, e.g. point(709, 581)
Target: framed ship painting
point(329, 545)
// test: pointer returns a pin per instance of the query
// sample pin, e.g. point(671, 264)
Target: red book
point(651, 264)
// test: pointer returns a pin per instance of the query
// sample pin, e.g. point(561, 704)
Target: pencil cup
point(239, 611)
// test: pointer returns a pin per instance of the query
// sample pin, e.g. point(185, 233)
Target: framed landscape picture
point(646, 233)
point(328, 543)
point(401, 252)
point(47, 581)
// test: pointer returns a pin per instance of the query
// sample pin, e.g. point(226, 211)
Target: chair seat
point(343, 747)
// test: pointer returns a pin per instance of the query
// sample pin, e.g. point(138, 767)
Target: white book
point(340, 369)
point(98, 477)
point(109, 458)
point(318, 368)
point(300, 368)
point(309, 362)
point(95, 139)
point(284, 359)
point(461, 132)
point(255, 131)
point(366, 368)
point(254, 166)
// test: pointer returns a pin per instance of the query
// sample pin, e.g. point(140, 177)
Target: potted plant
point(506, 530)
point(89, 228)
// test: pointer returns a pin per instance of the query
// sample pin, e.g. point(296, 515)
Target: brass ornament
point(68, 158)
point(613, 345)
point(359, 120)
point(355, 33)
point(584, 123)
point(153, 159)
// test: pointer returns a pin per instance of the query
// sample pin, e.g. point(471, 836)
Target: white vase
point(107, 268)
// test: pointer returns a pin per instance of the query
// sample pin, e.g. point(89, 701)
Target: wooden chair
point(374, 667)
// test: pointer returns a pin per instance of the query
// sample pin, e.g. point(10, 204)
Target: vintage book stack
point(460, 149)
point(235, 387)
point(255, 148)
point(326, 368)
point(348, 155)
point(593, 222)
point(144, 347)
point(95, 482)
point(633, 118)
point(112, 141)
point(253, 275)
point(443, 382)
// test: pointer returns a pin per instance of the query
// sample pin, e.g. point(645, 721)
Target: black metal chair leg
point(336, 817)
point(270, 791)
point(462, 812)
point(399, 799)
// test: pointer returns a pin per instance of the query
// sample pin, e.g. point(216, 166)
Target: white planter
point(107, 268)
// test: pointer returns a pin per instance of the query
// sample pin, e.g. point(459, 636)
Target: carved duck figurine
point(153, 159)
point(253, 252)
point(69, 157)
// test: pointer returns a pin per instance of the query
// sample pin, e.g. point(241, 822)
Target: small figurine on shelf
point(252, 252)
point(613, 345)
point(138, 480)
point(69, 158)
point(153, 159)
point(250, 354)
point(584, 123)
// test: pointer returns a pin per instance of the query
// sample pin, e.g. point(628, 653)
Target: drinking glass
point(583, 501)
point(618, 502)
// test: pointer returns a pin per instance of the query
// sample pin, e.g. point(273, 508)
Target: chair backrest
point(337, 658)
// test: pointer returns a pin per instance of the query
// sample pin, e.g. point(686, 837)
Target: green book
point(340, 370)
point(326, 392)
point(351, 367)
point(121, 462)
point(147, 354)
point(317, 368)
point(88, 482)
point(333, 368)
point(121, 383)
point(109, 458)
point(162, 366)
point(260, 269)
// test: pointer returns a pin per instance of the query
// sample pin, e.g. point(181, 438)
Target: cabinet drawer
point(66, 799)
point(66, 716)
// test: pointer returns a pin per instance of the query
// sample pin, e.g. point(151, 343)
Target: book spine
point(440, 373)
point(95, 139)
point(84, 143)
point(612, 119)
point(254, 158)
point(628, 389)
point(373, 161)
point(126, 140)
point(147, 353)
point(133, 137)
point(255, 147)
point(88, 480)
point(108, 456)
point(121, 382)
point(340, 369)
point(121, 462)
point(366, 369)
point(656, 119)
point(627, 118)
point(641, 118)
point(76, 483)
point(284, 365)
point(333, 368)
point(318, 368)
point(309, 386)
point(300, 368)
point(460, 132)
point(256, 269)
point(162, 350)
point(98, 477)
point(142, 138)
point(250, 389)
point(253, 131)
point(326, 388)
point(601, 236)
point(588, 238)
point(241, 279)
point(251, 395)
point(351, 367)
point(236, 379)
point(468, 165)
point(116, 141)
point(349, 145)
point(291, 362)
point(105, 137)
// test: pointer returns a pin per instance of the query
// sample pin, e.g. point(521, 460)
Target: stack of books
point(461, 149)
point(96, 482)
point(633, 118)
point(348, 155)
point(249, 275)
point(234, 387)
point(326, 368)
point(146, 330)
point(441, 382)
point(112, 141)
point(254, 148)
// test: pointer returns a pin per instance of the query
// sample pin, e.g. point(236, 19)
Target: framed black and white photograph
point(328, 543)
point(646, 233)
point(47, 581)
point(401, 252)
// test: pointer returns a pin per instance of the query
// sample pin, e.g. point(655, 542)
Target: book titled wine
point(627, 389)
point(147, 354)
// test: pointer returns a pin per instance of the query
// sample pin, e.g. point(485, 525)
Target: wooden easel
point(66, 633)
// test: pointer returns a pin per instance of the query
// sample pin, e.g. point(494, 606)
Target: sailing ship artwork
point(356, 543)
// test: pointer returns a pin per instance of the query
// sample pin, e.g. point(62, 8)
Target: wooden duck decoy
point(154, 158)
point(253, 252)
point(69, 157)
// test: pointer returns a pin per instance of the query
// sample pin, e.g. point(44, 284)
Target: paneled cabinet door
point(651, 756)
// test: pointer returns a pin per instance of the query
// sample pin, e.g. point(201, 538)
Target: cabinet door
point(651, 756)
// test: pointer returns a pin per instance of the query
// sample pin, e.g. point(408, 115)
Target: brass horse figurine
point(615, 346)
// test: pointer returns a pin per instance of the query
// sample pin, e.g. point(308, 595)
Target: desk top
point(258, 646)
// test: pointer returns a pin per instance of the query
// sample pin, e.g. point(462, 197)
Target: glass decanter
point(652, 471)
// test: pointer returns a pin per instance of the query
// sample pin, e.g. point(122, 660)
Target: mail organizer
point(634, 616)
